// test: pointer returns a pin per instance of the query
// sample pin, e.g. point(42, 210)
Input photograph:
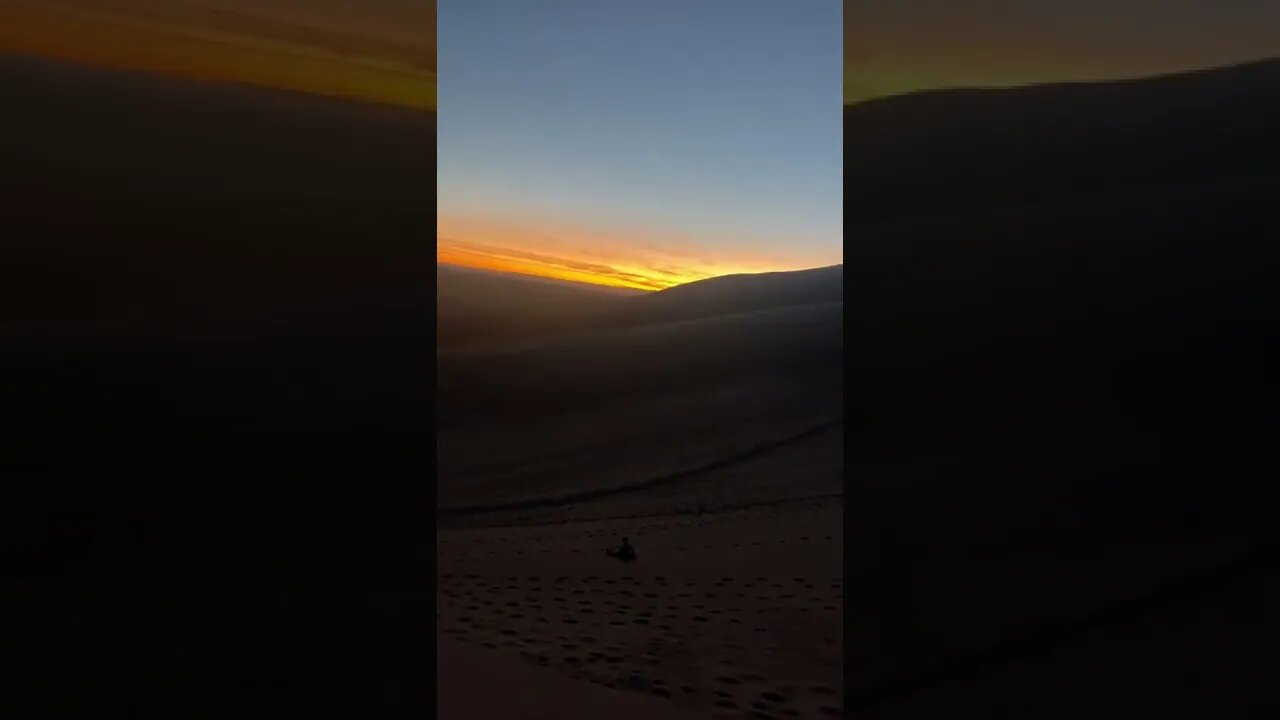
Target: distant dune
point(732, 294)
point(447, 273)
point(478, 308)
point(764, 351)
point(484, 308)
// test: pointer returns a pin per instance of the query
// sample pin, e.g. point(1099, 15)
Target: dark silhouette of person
point(626, 552)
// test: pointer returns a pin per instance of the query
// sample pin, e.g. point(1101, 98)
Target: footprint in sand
point(821, 690)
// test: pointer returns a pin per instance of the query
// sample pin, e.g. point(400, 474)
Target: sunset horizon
point(634, 259)
point(655, 164)
point(534, 271)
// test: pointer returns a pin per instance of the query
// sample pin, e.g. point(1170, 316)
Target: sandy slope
point(483, 308)
point(732, 294)
point(723, 614)
point(715, 445)
point(729, 612)
point(185, 264)
point(1194, 653)
point(467, 691)
point(1061, 302)
point(617, 407)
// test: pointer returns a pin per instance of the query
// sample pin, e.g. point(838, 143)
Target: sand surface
point(708, 431)
point(732, 612)
point(467, 691)
point(723, 613)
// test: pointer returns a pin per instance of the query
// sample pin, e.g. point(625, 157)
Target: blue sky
point(709, 126)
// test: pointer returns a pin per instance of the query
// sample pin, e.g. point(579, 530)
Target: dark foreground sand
point(724, 614)
point(467, 691)
point(732, 612)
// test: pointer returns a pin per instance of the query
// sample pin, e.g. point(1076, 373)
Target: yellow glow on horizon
point(483, 261)
point(124, 42)
point(625, 259)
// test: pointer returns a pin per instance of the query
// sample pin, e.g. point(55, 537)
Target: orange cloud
point(270, 43)
point(630, 259)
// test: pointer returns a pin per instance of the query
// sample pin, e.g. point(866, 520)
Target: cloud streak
point(508, 260)
point(629, 259)
point(316, 47)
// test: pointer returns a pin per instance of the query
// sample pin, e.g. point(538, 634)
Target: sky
point(371, 50)
point(898, 46)
point(639, 144)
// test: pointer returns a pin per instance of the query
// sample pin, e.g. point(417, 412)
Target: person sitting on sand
point(625, 553)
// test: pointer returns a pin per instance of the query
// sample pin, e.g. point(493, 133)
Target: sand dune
point(212, 306)
point(735, 610)
point(187, 210)
point(214, 283)
point(958, 150)
point(466, 690)
point(621, 406)
point(226, 246)
point(485, 308)
point(1060, 307)
point(731, 294)
point(709, 435)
